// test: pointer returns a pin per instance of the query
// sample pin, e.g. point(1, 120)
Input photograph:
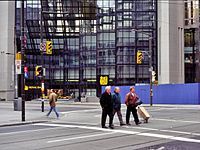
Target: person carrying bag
point(130, 101)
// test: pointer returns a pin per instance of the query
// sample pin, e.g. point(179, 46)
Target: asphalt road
point(170, 128)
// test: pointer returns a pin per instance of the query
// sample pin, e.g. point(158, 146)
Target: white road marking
point(161, 148)
point(181, 132)
point(170, 131)
point(80, 137)
point(84, 127)
point(173, 120)
point(28, 131)
point(80, 123)
point(162, 136)
point(151, 129)
point(79, 111)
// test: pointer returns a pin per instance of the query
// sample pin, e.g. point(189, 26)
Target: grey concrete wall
point(7, 22)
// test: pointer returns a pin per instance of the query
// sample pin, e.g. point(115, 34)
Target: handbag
point(138, 102)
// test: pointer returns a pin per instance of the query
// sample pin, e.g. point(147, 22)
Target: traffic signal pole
point(42, 61)
point(22, 63)
point(150, 64)
point(150, 70)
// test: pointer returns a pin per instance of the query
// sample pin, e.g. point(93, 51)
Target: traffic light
point(38, 71)
point(26, 72)
point(139, 57)
point(49, 47)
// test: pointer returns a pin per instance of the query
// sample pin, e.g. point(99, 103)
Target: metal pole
point(150, 70)
point(41, 42)
point(193, 56)
point(150, 65)
point(22, 64)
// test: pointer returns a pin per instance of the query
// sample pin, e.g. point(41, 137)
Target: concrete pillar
point(7, 23)
point(171, 42)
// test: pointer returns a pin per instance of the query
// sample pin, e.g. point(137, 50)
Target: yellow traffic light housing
point(49, 47)
point(139, 57)
point(38, 71)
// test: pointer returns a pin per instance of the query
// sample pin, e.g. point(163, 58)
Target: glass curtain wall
point(90, 38)
point(135, 24)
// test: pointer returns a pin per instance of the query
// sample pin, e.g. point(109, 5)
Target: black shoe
point(138, 123)
point(111, 127)
point(128, 124)
point(122, 124)
point(105, 127)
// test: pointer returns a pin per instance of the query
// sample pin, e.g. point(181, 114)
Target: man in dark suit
point(107, 107)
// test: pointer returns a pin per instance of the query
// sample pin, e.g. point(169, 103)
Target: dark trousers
point(106, 112)
point(134, 112)
point(119, 114)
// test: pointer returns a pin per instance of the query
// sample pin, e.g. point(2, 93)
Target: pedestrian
point(52, 102)
point(117, 105)
point(107, 107)
point(130, 102)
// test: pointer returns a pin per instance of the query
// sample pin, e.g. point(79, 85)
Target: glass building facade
point(90, 38)
point(191, 41)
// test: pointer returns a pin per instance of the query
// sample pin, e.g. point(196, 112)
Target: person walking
point(52, 102)
point(117, 105)
point(107, 107)
point(130, 102)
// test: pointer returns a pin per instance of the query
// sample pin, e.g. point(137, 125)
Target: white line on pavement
point(79, 123)
point(82, 127)
point(162, 136)
point(80, 137)
point(188, 133)
point(99, 115)
point(173, 120)
point(28, 131)
point(170, 131)
point(79, 111)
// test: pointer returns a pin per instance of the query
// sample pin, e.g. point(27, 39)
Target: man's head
point(108, 89)
point(132, 89)
point(117, 90)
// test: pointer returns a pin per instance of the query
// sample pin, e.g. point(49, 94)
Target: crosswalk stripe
point(162, 136)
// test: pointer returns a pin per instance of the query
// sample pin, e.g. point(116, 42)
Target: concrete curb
point(22, 123)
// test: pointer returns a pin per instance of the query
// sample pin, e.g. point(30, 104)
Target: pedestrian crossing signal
point(38, 71)
point(153, 76)
point(49, 47)
point(139, 57)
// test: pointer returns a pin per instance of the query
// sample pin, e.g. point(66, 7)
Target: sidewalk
point(33, 113)
point(10, 117)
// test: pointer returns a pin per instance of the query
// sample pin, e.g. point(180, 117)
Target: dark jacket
point(116, 101)
point(106, 101)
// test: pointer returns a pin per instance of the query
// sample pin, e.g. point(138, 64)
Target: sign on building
point(103, 80)
point(18, 63)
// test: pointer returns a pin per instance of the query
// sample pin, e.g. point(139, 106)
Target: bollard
point(42, 105)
